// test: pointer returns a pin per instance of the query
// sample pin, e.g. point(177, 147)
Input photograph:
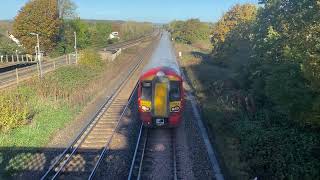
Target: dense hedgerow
point(270, 55)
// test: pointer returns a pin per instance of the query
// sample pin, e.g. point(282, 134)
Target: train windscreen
point(146, 90)
point(174, 91)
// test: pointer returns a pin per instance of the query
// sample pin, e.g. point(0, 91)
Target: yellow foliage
point(37, 16)
point(236, 15)
point(90, 58)
point(15, 110)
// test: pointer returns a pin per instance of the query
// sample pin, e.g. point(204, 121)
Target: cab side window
point(146, 90)
point(174, 91)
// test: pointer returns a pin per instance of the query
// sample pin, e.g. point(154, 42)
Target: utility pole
point(38, 54)
point(75, 46)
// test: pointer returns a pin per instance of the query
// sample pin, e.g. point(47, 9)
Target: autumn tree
point(38, 16)
point(235, 16)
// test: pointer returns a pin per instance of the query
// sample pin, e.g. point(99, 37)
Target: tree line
point(273, 53)
point(282, 54)
point(189, 31)
point(56, 21)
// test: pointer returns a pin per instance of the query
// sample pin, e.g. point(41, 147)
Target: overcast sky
point(160, 11)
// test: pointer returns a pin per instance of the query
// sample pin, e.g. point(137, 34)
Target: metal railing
point(17, 58)
point(10, 78)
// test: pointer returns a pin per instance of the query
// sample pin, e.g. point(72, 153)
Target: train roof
point(165, 69)
point(163, 56)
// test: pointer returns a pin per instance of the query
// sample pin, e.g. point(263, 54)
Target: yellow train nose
point(161, 100)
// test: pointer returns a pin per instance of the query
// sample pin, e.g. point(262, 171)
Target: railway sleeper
point(106, 123)
point(101, 127)
point(94, 145)
point(98, 138)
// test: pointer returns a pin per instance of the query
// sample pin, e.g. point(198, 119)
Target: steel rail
point(135, 152)
point(116, 128)
point(106, 147)
point(76, 139)
point(143, 149)
point(120, 118)
point(142, 155)
point(174, 154)
point(88, 128)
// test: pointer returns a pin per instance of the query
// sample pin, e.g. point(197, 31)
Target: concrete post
point(38, 69)
point(17, 75)
point(75, 47)
point(1, 59)
point(7, 58)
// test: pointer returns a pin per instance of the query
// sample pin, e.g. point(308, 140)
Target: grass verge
point(32, 112)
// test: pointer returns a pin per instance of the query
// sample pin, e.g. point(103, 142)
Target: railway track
point(82, 158)
point(155, 155)
point(127, 44)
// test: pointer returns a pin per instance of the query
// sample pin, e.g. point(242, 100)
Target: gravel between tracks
point(116, 163)
point(197, 151)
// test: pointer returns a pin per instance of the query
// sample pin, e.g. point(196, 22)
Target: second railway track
point(82, 158)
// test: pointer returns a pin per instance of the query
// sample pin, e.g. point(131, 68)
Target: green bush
point(274, 151)
point(189, 31)
point(16, 109)
point(90, 58)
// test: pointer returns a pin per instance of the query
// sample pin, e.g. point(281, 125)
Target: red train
point(161, 97)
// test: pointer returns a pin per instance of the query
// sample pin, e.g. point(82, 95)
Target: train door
point(160, 99)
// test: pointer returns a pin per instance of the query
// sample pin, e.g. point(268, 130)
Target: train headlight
point(175, 109)
point(145, 108)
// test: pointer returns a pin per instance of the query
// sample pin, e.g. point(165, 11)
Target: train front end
point(161, 98)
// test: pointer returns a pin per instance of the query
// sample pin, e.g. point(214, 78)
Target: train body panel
point(160, 92)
